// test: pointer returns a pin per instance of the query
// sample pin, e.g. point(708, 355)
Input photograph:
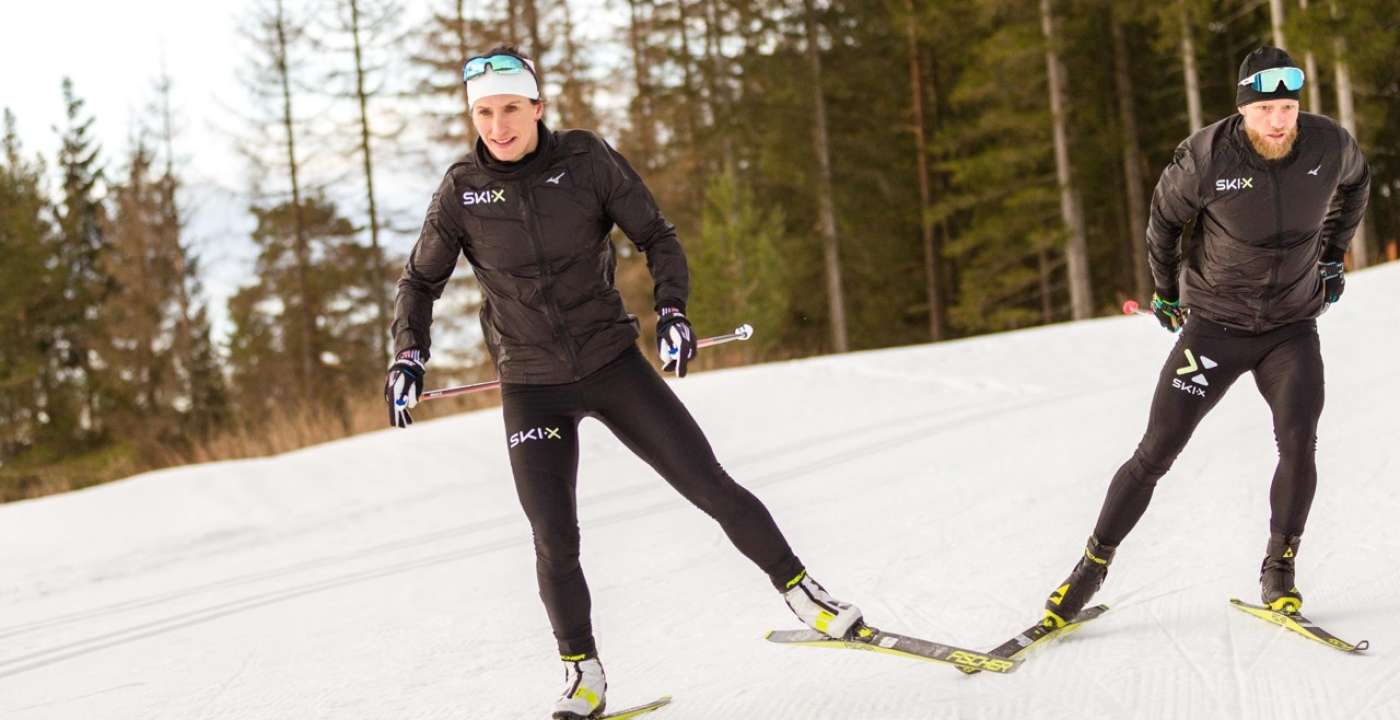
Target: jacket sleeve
point(429, 266)
point(1348, 205)
point(630, 204)
point(1175, 202)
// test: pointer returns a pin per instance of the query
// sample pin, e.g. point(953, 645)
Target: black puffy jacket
point(536, 235)
point(1261, 226)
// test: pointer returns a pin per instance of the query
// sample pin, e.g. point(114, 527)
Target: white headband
point(494, 83)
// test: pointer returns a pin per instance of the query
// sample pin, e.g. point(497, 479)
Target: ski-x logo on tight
point(483, 197)
point(535, 433)
point(1223, 185)
point(1198, 380)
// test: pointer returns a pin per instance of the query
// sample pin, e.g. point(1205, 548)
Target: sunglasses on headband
point(1267, 81)
point(507, 64)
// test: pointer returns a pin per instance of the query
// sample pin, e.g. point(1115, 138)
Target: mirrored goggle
point(1267, 81)
point(477, 66)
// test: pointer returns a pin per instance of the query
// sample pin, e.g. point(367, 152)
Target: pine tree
point(73, 401)
point(739, 260)
point(31, 296)
point(1001, 197)
point(138, 372)
point(266, 343)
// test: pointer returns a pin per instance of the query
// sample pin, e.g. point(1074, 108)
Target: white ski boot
point(817, 609)
point(584, 689)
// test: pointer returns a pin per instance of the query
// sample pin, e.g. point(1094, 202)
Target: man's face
point(1272, 126)
point(506, 123)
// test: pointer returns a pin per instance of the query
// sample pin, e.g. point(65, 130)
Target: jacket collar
point(526, 166)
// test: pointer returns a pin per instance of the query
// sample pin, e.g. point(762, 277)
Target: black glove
point(1334, 279)
point(403, 385)
point(1168, 312)
point(675, 340)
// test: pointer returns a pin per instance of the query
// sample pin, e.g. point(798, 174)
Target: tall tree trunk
point(537, 48)
point(1132, 158)
point(718, 87)
point(513, 22)
point(303, 252)
point(377, 282)
point(464, 51)
point(641, 109)
point(1312, 85)
point(1081, 296)
point(826, 212)
point(1276, 22)
point(169, 228)
point(574, 104)
point(687, 76)
point(1047, 305)
point(1188, 71)
point(1346, 112)
point(932, 252)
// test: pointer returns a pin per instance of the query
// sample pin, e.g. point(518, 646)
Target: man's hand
point(675, 340)
point(403, 385)
point(1168, 311)
point(1334, 280)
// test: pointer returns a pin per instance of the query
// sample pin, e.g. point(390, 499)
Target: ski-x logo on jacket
point(536, 233)
point(1260, 226)
point(1222, 184)
point(485, 196)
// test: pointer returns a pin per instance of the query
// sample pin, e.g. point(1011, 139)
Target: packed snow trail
point(945, 488)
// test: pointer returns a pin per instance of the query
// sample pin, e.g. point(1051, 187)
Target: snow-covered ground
point(944, 488)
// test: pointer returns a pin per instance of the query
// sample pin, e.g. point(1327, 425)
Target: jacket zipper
point(1276, 251)
point(551, 308)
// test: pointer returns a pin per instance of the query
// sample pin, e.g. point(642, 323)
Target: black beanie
point(1262, 59)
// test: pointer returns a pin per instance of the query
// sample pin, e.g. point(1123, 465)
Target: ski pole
point(1131, 308)
point(743, 332)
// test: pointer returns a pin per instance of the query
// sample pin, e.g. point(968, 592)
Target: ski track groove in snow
point(945, 488)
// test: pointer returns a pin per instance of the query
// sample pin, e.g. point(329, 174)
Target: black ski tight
point(1207, 359)
point(634, 402)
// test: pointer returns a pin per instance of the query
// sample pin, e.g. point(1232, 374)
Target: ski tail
point(639, 710)
point(1300, 625)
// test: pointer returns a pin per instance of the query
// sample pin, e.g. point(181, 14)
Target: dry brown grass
point(303, 427)
point(292, 429)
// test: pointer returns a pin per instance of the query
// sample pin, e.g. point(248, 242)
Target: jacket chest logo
point(484, 197)
point(1223, 185)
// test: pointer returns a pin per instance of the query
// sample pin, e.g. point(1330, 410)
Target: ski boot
point(1085, 580)
point(585, 688)
point(817, 609)
point(1276, 584)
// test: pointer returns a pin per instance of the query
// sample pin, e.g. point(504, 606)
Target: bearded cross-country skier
point(1276, 196)
point(531, 210)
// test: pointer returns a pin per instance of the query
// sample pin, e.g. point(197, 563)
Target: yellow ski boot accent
point(587, 696)
point(1287, 604)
